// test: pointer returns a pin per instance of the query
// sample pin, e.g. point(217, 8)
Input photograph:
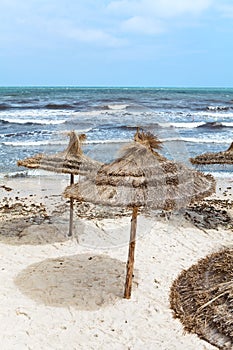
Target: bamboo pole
point(71, 209)
point(130, 263)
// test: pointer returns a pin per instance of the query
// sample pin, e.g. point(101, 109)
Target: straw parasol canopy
point(70, 161)
point(224, 157)
point(202, 297)
point(142, 177)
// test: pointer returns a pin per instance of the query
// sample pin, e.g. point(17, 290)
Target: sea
point(189, 121)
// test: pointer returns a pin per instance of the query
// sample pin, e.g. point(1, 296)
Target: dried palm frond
point(74, 148)
point(147, 139)
point(70, 161)
point(202, 297)
point(230, 149)
point(142, 177)
point(223, 157)
point(31, 162)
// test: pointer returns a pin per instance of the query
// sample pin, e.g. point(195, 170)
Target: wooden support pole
point(71, 209)
point(130, 263)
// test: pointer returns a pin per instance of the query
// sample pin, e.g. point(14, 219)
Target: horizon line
point(118, 86)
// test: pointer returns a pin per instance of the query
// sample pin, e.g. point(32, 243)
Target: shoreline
point(54, 288)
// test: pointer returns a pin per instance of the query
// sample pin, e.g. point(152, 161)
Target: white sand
point(66, 295)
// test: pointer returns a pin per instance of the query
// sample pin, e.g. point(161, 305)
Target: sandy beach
point(59, 292)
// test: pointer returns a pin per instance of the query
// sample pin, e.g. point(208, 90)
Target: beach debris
point(16, 175)
point(8, 189)
point(18, 312)
point(142, 178)
point(19, 209)
point(206, 215)
point(71, 161)
point(202, 298)
point(23, 222)
point(15, 217)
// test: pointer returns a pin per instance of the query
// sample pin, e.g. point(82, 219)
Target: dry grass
point(70, 161)
point(224, 157)
point(143, 177)
point(202, 297)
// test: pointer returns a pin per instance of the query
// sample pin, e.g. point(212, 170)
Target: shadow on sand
point(23, 230)
point(86, 282)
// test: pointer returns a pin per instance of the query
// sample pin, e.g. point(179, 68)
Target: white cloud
point(54, 22)
point(152, 17)
point(66, 29)
point(105, 22)
point(143, 25)
point(159, 8)
point(96, 36)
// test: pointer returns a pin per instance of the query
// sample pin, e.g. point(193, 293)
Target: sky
point(156, 43)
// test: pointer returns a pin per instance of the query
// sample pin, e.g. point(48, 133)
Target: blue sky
point(116, 42)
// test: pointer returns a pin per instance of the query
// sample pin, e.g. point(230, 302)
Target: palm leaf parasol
point(202, 297)
point(70, 161)
point(224, 157)
point(142, 177)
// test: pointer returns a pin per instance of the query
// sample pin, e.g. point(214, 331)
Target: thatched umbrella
point(202, 297)
point(70, 161)
point(141, 177)
point(224, 157)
